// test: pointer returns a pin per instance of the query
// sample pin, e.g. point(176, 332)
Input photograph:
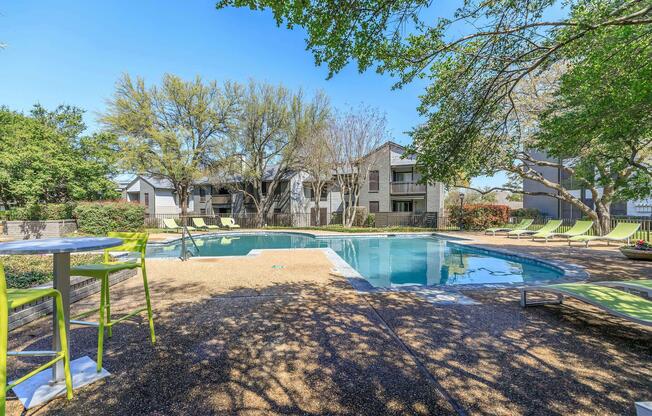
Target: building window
point(402, 206)
point(324, 193)
point(146, 199)
point(374, 178)
point(202, 211)
point(307, 193)
point(202, 195)
point(374, 206)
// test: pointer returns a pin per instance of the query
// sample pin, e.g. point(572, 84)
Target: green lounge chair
point(201, 225)
point(616, 302)
point(642, 285)
point(229, 223)
point(550, 226)
point(171, 224)
point(623, 232)
point(525, 223)
point(579, 228)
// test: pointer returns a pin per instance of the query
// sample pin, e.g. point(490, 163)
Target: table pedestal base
point(38, 389)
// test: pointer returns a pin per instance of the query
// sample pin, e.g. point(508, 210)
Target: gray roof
point(157, 183)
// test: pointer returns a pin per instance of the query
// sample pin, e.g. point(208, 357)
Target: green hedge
point(480, 216)
point(101, 217)
point(27, 271)
point(526, 213)
point(39, 212)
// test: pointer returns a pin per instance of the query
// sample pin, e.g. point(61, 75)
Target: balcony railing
point(407, 188)
point(221, 199)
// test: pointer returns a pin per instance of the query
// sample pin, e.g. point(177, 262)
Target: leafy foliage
point(99, 218)
point(173, 131)
point(480, 216)
point(525, 213)
point(44, 158)
point(40, 212)
point(266, 140)
point(27, 271)
point(603, 111)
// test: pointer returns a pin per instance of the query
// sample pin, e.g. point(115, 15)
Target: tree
point(266, 139)
point(316, 162)
point(588, 115)
point(43, 161)
point(173, 131)
point(353, 137)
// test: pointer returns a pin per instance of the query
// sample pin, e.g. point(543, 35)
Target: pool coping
point(571, 272)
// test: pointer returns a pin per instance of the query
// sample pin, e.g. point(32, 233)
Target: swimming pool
point(384, 261)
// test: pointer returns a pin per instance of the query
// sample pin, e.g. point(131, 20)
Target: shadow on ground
point(291, 349)
point(322, 349)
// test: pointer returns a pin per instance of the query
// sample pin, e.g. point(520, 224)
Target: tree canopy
point(44, 157)
point(173, 131)
point(266, 140)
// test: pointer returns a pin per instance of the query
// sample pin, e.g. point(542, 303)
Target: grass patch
point(31, 270)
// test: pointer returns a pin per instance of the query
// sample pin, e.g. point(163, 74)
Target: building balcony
point(406, 188)
point(221, 199)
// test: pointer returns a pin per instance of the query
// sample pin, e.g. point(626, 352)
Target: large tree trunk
point(603, 212)
point(316, 189)
point(183, 201)
point(260, 218)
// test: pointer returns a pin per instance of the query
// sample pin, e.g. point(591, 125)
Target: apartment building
point(392, 186)
point(555, 208)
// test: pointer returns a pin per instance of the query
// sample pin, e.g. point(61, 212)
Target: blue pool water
point(383, 261)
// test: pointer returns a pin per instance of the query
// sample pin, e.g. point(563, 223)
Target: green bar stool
point(13, 298)
point(133, 243)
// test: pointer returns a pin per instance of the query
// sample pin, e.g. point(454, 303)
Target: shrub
point(40, 212)
point(27, 271)
point(101, 217)
point(480, 216)
point(526, 213)
point(370, 221)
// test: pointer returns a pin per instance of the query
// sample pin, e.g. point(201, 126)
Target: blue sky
point(73, 51)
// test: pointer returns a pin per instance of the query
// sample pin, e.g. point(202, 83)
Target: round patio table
point(60, 248)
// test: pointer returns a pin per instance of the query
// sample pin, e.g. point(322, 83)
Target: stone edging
point(80, 287)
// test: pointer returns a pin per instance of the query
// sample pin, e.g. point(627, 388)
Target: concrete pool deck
point(278, 333)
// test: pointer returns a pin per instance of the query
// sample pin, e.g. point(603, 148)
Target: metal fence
point(245, 220)
point(428, 220)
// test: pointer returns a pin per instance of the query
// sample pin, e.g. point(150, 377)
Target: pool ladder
point(185, 252)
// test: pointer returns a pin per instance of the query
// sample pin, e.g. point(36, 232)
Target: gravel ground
point(238, 336)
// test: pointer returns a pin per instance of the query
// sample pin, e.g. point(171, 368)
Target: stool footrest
point(127, 316)
point(84, 314)
point(32, 353)
point(85, 323)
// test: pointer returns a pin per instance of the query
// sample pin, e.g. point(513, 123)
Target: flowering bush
point(643, 245)
point(480, 216)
